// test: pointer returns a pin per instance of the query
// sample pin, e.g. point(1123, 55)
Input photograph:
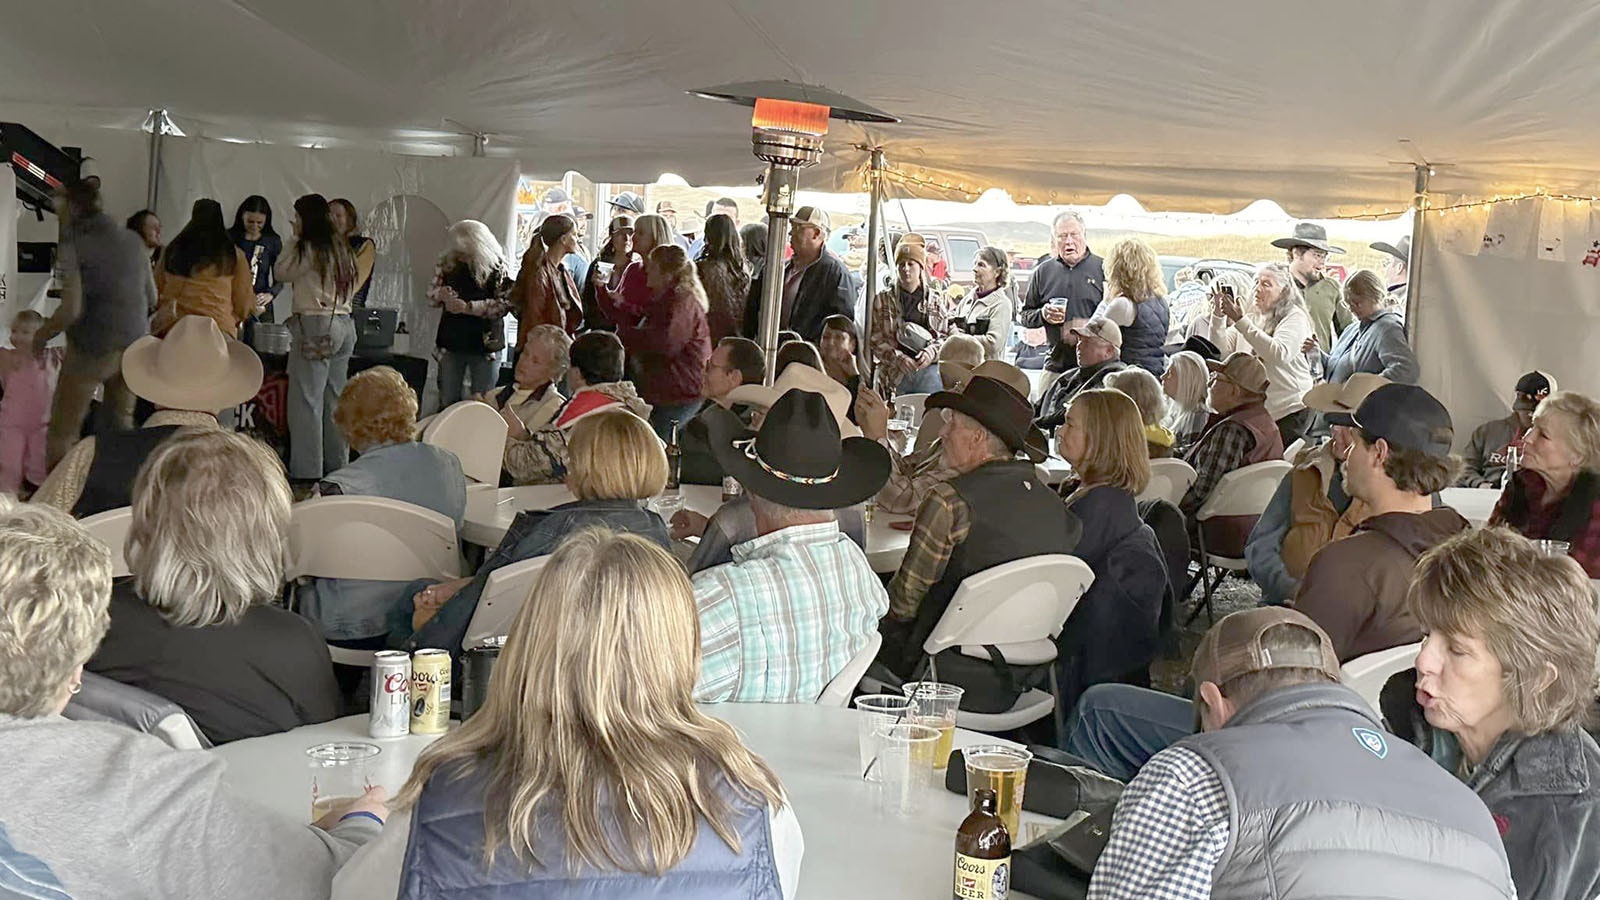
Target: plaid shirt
point(785, 616)
point(912, 477)
point(1168, 833)
point(943, 522)
point(892, 364)
point(1219, 453)
point(1536, 520)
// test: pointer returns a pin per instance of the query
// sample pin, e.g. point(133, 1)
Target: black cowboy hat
point(1207, 350)
point(797, 458)
point(1308, 234)
point(998, 407)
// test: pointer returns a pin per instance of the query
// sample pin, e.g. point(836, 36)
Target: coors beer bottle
point(983, 853)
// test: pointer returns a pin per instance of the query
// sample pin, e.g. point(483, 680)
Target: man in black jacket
point(816, 284)
point(1070, 273)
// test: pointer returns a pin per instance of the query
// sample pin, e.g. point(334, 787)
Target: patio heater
point(787, 127)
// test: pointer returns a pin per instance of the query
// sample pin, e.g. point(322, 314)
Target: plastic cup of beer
point(904, 769)
point(340, 773)
point(1554, 548)
point(934, 704)
point(879, 712)
point(1003, 770)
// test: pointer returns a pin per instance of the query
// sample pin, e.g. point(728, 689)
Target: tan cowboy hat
point(1000, 371)
point(195, 367)
point(958, 356)
point(801, 377)
point(1340, 401)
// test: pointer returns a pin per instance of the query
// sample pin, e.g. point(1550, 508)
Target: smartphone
point(1226, 290)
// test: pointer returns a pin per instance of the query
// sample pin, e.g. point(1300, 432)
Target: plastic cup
point(879, 712)
point(340, 773)
point(1553, 548)
point(904, 769)
point(935, 705)
point(1005, 771)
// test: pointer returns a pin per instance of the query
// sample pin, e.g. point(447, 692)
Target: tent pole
point(875, 172)
point(158, 119)
point(1419, 218)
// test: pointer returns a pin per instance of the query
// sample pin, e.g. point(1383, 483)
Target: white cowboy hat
point(195, 367)
point(801, 377)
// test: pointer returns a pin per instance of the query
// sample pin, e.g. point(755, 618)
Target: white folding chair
point(1366, 674)
point(111, 528)
point(1019, 608)
point(1170, 479)
point(1245, 491)
point(839, 689)
point(507, 589)
point(369, 538)
point(475, 433)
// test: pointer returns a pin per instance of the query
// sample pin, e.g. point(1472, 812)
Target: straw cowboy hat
point(798, 458)
point(195, 367)
point(1307, 234)
point(801, 377)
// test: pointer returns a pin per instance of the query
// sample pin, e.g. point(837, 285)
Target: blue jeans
point(316, 447)
point(663, 417)
point(480, 368)
point(923, 381)
point(1116, 728)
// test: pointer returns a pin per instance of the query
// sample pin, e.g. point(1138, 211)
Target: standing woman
point(202, 273)
point(1136, 301)
point(348, 226)
point(912, 300)
point(145, 224)
point(669, 339)
point(1276, 333)
point(985, 313)
point(470, 282)
point(319, 266)
point(545, 293)
point(252, 232)
point(632, 292)
point(618, 253)
point(724, 275)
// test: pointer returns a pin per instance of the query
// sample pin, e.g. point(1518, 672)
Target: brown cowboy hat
point(998, 407)
point(1308, 234)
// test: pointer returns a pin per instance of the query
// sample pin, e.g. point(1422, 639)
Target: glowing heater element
point(790, 115)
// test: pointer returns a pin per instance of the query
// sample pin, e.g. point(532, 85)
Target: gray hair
point(1188, 368)
point(997, 445)
point(55, 584)
point(555, 339)
point(1581, 416)
point(472, 244)
point(1289, 299)
point(1144, 390)
point(1065, 215)
point(210, 527)
point(785, 516)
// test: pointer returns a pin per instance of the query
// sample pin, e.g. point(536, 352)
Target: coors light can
point(390, 712)
point(430, 692)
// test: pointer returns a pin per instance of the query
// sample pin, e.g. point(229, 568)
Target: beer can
point(731, 488)
point(430, 691)
point(389, 715)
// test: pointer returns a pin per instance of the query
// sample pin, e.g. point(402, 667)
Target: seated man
point(801, 600)
point(1241, 433)
point(1099, 352)
point(1293, 789)
point(595, 377)
point(994, 512)
point(1493, 442)
point(735, 362)
point(531, 401)
point(1310, 507)
point(1355, 588)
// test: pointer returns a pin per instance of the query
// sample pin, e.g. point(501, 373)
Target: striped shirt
point(784, 617)
point(1168, 834)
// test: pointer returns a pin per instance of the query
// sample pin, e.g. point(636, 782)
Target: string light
point(1485, 203)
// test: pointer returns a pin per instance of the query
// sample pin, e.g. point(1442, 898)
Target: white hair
point(555, 339)
point(471, 243)
point(1063, 216)
point(1289, 298)
point(55, 584)
point(1188, 368)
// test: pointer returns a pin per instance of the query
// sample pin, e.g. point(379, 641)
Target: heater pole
point(875, 173)
point(781, 182)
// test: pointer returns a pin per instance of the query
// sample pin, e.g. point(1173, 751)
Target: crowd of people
point(1476, 777)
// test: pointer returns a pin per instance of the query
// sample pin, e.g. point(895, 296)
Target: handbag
point(313, 336)
point(913, 339)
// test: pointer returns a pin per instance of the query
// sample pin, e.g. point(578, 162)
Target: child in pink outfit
point(29, 380)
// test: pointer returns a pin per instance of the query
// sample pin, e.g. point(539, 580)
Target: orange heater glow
point(790, 115)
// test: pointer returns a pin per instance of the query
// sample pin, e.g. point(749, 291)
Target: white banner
point(1591, 239)
point(1553, 230)
point(1461, 230)
point(1510, 229)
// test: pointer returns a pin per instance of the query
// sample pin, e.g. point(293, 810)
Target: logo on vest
point(1372, 740)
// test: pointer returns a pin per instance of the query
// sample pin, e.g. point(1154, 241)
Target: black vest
point(1013, 516)
point(464, 333)
point(117, 458)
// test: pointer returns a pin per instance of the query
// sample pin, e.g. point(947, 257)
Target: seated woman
point(595, 369)
point(532, 401)
point(377, 415)
point(1556, 494)
point(597, 674)
point(1114, 632)
point(1145, 391)
point(196, 623)
point(1184, 383)
point(95, 809)
point(1502, 684)
point(615, 462)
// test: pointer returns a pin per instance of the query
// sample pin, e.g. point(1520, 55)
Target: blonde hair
point(27, 317)
point(210, 527)
point(680, 274)
point(472, 244)
point(1115, 452)
point(615, 455)
point(653, 227)
point(1188, 368)
point(1535, 612)
point(590, 718)
point(55, 584)
point(1143, 389)
point(1582, 421)
point(1134, 271)
point(377, 406)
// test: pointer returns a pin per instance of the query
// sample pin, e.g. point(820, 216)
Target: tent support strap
point(1419, 219)
point(875, 173)
point(152, 192)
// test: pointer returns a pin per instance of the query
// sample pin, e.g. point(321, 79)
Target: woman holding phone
point(1274, 330)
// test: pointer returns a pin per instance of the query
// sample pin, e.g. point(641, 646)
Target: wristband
point(361, 812)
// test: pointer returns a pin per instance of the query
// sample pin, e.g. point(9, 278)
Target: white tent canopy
point(1190, 105)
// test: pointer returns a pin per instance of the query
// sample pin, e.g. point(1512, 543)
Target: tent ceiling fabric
point(1188, 105)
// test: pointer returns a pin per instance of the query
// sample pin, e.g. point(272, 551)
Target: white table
point(1474, 504)
point(851, 850)
point(490, 513)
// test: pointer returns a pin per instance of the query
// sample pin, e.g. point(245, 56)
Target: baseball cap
point(812, 215)
point(665, 206)
point(1536, 384)
point(1407, 416)
point(1102, 328)
point(1234, 646)
point(1337, 402)
point(556, 195)
point(1243, 369)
